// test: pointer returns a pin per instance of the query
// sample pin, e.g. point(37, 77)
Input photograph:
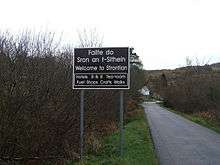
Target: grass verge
point(211, 124)
point(138, 146)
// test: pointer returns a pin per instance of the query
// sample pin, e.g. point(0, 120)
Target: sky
point(163, 32)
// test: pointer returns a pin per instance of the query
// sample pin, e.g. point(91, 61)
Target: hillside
point(188, 89)
point(215, 66)
point(157, 77)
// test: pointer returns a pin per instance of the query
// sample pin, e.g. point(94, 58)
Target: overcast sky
point(163, 32)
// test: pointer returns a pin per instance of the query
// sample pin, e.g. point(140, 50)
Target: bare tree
point(90, 38)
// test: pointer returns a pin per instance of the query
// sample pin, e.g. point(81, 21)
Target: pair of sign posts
point(101, 68)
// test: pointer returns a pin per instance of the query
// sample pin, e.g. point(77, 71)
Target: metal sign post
point(121, 121)
point(81, 122)
point(101, 68)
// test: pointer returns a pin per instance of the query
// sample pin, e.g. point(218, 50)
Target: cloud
point(162, 32)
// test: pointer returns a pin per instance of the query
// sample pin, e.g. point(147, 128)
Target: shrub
point(190, 91)
point(39, 111)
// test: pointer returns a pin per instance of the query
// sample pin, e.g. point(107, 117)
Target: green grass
point(211, 124)
point(138, 147)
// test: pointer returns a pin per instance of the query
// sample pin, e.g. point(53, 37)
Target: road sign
point(101, 68)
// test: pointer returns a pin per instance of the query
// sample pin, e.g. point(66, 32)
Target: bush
point(190, 91)
point(39, 111)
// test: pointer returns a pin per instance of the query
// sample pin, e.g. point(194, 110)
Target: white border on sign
point(128, 74)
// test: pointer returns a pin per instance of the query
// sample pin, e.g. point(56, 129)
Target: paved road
point(179, 141)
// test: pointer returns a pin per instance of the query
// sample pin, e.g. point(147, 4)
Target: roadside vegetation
point(193, 91)
point(204, 118)
point(138, 146)
point(39, 110)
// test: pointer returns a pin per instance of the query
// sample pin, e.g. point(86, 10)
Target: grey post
point(81, 122)
point(121, 122)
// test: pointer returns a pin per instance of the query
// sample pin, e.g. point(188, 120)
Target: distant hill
point(203, 68)
point(216, 66)
point(156, 80)
point(190, 89)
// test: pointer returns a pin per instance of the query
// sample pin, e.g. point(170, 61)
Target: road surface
point(179, 141)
